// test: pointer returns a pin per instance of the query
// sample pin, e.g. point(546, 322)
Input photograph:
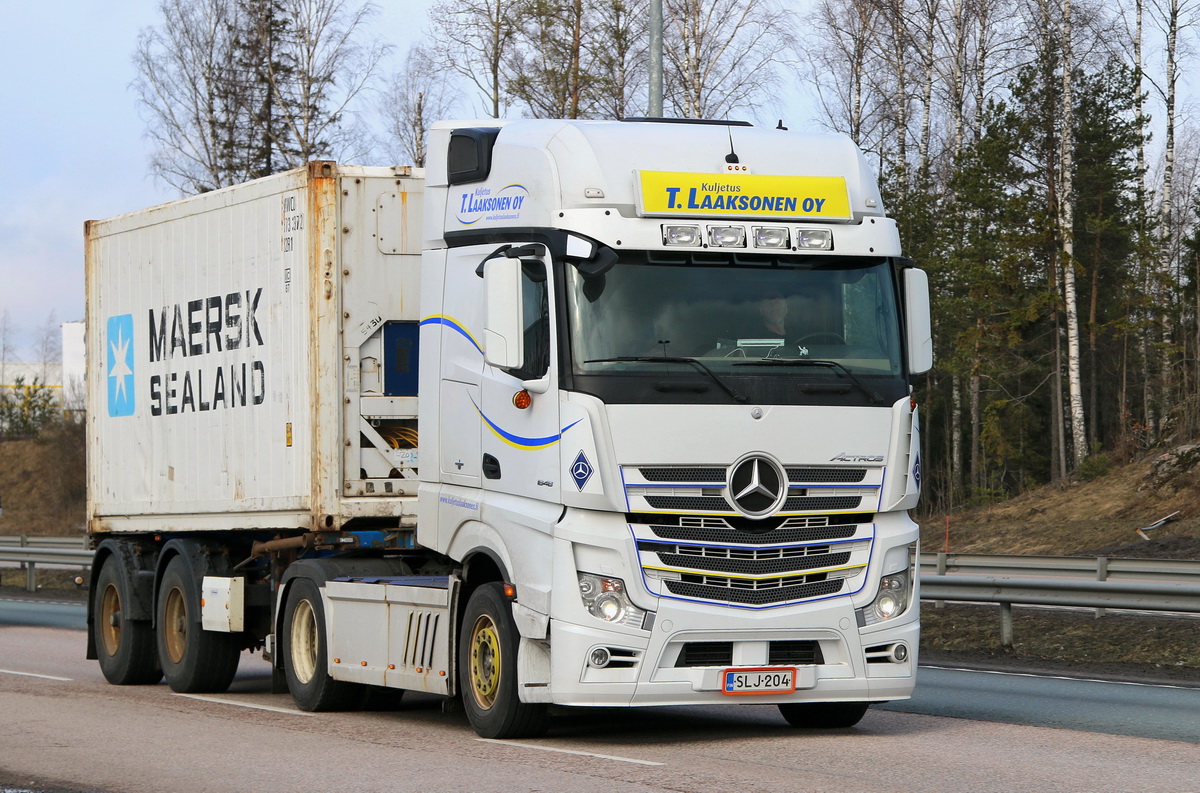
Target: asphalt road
point(61, 724)
point(1147, 711)
point(43, 613)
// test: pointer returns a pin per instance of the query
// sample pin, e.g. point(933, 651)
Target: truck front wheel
point(823, 715)
point(305, 656)
point(488, 670)
point(194, 660)
point(124, 647)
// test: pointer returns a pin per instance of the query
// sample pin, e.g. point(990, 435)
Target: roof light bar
point(771, 237)
point(814, 239)
point(727, 236)
point(682, 236)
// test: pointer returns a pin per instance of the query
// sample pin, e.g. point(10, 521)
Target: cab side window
point(535, 298)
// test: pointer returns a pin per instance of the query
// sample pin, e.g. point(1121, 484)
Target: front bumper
point(853, 664)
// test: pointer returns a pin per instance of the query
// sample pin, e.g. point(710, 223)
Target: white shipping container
point(235, 344)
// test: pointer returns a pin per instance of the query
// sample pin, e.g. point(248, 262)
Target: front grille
point(684, 475)
point(719, 504)
point(795, 653)
point(782, 653)
point(806, 503)
point(775, 564)
point(755, 597)
point(706, 654)
point(716, 475)
point(840, 475)
point(788, 532)
point(690, 503)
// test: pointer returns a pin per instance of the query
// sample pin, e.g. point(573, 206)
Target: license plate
point(759, 680)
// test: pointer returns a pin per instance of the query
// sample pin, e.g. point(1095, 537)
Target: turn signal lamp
point(522, 400)
point(771, 237)
point(727, 236)
point(681, 236)
point(814, 239)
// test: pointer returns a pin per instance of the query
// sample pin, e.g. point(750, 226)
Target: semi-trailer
point(584, 413)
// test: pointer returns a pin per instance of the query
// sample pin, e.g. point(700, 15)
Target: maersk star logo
point(119, 341)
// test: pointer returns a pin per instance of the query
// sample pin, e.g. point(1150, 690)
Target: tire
point(823, 715)
point(124, 647)
point(488, 670)
point(305, 657)
point(193, 660)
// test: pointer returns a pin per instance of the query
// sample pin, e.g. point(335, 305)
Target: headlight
point(605, 599)
point(895, 591)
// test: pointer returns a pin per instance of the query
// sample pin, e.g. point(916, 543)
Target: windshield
point(780, 330)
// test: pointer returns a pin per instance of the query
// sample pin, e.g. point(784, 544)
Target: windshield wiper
point(673, 359)
point(870, 392)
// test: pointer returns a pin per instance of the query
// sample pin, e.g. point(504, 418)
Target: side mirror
point(504, 329)
point(918, 331)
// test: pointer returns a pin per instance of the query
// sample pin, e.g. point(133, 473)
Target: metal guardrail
point(1007, 592)
point(30, 558)
point(43, 541)
point(1099, 568)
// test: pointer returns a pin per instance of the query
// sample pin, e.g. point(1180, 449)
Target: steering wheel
point(825, 334)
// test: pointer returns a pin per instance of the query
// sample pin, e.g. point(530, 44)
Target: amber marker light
point(522, 400)
point(510, 591)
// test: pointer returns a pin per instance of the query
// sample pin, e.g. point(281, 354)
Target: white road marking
point(570, 751)
point(34, 674)
point(271, 708)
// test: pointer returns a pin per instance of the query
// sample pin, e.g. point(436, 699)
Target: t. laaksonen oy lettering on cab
point(201, 327)
point(746, 203)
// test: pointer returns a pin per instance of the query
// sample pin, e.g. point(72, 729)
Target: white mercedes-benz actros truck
point(586, 413)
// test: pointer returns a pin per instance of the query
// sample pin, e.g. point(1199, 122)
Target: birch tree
point(474, 39)
point(183, 70)
point(236, 89)
point(722, 55)
point(1067, 232)
point(416, 96)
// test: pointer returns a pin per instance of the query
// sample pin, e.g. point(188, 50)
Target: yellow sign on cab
point(673, 193)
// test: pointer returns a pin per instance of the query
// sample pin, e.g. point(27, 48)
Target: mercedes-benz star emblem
point(757, 486)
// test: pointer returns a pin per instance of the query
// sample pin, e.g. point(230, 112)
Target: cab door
point(520, 410)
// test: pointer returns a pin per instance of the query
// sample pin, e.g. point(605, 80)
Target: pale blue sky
point(73, 137)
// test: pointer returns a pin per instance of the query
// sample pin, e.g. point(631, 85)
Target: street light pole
point(655, 109)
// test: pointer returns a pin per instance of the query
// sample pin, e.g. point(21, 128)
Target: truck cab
point(673, 370)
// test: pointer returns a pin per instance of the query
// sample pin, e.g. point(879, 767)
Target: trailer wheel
point(124, 647)
point(488, 670)
point(823, 715)
point(305, 659)
point(194, 660)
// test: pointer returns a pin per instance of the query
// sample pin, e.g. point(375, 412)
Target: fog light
point(727, 236)
point(771, 237)
point(900, 653)
point(599, 658)
point(683, 236)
